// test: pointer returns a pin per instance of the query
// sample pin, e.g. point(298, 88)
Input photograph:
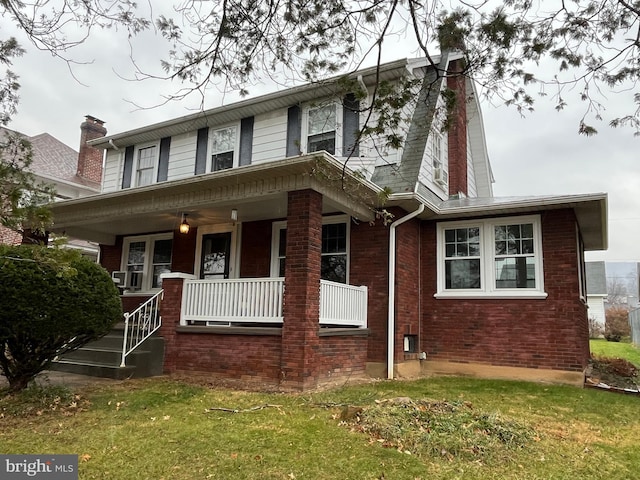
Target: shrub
point(617, 324)
point(595, 328)
point(51, 301)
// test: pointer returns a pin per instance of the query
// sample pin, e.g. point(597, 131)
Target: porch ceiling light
point(234, 215)
point(184, 225)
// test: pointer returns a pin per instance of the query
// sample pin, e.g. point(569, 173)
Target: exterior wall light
point(184, 225)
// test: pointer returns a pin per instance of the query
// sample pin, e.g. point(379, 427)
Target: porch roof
point(590, 210)
point(257, 192)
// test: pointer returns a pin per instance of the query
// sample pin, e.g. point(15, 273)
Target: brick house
point(275, 265)
point(73, 174)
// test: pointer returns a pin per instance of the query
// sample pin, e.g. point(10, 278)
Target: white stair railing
point(140, 325)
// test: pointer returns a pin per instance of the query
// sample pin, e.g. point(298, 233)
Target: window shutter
point(163, 163)
point(246, 141)
point(350, 125)
point(201, 151)
point(294, 132)
point(128, 167)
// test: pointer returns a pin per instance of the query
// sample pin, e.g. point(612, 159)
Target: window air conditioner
point(119, 278)
point(135, 281)
point(440, 176)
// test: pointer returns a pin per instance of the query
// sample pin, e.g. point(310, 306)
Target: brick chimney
point(457, 133)
point(90, 158)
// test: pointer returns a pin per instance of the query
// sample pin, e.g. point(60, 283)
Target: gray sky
point(538, 155)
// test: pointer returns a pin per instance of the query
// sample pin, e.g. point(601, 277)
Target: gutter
point(391, 327)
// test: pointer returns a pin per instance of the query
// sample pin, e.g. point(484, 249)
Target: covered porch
point(284, 301)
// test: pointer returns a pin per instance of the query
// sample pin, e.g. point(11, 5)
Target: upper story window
point(499, 257)
point(149, 257)
point(322, 129)
point(147, 159)
point(440, 174)
point(223, 148)
point(334, 262)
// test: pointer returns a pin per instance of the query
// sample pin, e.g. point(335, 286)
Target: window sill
point(493, 295)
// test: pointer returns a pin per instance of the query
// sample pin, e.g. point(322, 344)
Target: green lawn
point(470, 429)
point(604, 348)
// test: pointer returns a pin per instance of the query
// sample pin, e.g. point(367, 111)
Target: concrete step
point(93, 369)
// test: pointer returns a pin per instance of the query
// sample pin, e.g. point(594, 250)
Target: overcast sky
point(538, 155)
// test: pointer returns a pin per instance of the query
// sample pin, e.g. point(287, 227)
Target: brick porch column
point(301, 310)
point(170, 306)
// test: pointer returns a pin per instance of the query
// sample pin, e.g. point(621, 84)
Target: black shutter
point(294, 131)
point(201, 151)
point(163, 163)
point(350, 125)
point(246, 141)
point(128, 167)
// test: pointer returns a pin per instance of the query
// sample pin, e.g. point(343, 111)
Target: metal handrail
point(140, 324)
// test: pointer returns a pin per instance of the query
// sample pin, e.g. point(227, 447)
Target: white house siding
point(112, 174)
point(182, 156)
point(471, 172)
point(425, 175)
point(269, 136)
point(595, 304)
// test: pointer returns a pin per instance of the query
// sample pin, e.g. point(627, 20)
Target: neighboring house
point(596, 293)
point(286, 274)
point(72, 174)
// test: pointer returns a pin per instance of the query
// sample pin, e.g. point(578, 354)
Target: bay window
point(500, 257)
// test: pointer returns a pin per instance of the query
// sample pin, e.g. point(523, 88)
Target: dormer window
point(147, 158)
point(321, 133)
point(223, 147)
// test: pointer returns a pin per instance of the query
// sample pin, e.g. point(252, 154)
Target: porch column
point(301, 310)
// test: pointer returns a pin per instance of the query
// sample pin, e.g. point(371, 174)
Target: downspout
point(391, 327)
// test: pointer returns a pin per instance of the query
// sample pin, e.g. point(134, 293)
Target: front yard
point(429, 429)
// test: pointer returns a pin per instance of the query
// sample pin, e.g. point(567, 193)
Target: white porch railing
point(259, 300)
point(243, 300)
point(341, 304)
point(140, 325)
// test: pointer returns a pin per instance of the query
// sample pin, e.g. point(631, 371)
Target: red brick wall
point(255, 252)
point(111, 255)
point(407, 284)
point(184, 251)
point(341, 358)
point(547, 333)
point(457, 133)
point(369, 265)
point(301, 308)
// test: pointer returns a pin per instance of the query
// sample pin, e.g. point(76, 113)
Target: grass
point(603, 348)
point(439, 428)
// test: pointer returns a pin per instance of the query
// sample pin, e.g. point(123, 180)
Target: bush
point(51, 301)
point(617, 324)
point(595, 328)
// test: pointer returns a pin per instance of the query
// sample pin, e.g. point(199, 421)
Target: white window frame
point(282, 225)
point(487, 259)
point(149, 240)
point(304, 134)
point(236, 146)
point(136, 158)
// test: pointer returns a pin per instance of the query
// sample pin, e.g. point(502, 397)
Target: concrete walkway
point(71, 380)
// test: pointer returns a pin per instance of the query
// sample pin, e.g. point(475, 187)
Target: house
point(596, 295)
point(291, 251)
point(72, 174)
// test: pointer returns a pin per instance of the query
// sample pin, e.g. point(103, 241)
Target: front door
point(216, 255)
